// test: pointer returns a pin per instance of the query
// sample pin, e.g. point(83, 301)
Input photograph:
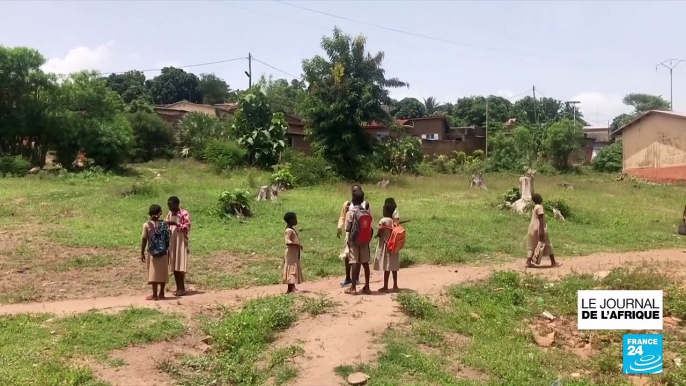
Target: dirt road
point(327, 342)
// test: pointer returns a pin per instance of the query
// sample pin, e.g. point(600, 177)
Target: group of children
point(164, 247)
point(356, 221)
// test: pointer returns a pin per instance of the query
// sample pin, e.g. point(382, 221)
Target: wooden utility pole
point(249, 72)
point(486, 130)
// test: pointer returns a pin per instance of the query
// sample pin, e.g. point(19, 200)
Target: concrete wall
point(656, 141)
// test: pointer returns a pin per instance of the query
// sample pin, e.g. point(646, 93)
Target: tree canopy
point(346, 90)
point(214, 89)
point(173, 85)
point(408, 108)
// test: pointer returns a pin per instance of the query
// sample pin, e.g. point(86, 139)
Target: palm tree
point(431, 105)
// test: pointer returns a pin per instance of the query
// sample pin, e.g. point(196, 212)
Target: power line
point(160, 69)
point(407, 32)
point(518, 95)
point(274, 68)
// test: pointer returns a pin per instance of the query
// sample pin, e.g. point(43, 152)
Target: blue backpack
point(158, 243)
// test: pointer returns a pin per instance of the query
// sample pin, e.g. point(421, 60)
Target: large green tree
point(562, 138)
point(129, 85)
point(471, 111)
point(29, 105)
point(645, 102)
point(408, 108)
point(214, 89)
point(173, 85)
point(431, 105)
point(346, 90)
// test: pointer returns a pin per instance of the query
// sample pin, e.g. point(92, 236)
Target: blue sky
point(595, 52)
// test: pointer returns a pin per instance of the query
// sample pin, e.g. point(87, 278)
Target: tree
point(431, 106)
point(562, 138)
point(609, 159)
point(408, 108)
point(259, 131)
point(214, 89)
point(92, 122)
point(621, 120)
point(174, 85)
point(152, 137)
point(570, 111)
point(197, 129)
point(542, 110)
point(471, 111)
point(644, 102)
point(29, 105)
point(129, 85)
point(282, 96)
point(345, 91)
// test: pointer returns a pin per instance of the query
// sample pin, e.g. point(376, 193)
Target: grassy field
point(85, 228)
point(484, 334)
point(36, 350)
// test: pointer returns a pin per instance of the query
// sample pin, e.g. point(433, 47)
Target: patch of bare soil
point(140, 365)
point(346, 337)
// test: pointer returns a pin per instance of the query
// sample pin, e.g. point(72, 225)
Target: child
point(358, 235)
point(179, 222)
point(538, 233)
point(396, 215)
point(384, 260)
point(155, 237)
point(292, 272)
point(347, 206)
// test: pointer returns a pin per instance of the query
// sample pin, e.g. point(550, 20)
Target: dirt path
point(348, 335)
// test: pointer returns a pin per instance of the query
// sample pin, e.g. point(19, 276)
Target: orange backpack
point(396, 241)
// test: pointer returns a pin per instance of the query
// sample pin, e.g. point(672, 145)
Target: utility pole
point(486, 130)
point(670, 64)
point(573, 103)
point(249, 72)
point(535, 113)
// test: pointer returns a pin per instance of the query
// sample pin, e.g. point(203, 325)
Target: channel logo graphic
point(642, 354)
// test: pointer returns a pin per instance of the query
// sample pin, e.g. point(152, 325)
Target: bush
point(283, 178)
point(197, 129)
point(400, 155)
point(560, 205)
point(416, 305)
point(14, 166)
point(512, 195)
point(152, 137)
point(311, 170)
point(108, 142)
point(142, 189)
point(223, 155)
point(235, 203)
point(609, 159)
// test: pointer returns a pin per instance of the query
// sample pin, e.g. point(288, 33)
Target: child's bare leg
point(554, 263)
point(161, 295)
point(355, 273)
point(395, 281)
point(366, 289)
point(386, 275)
point(348, 268)
point(291, 288)
point(154, 293)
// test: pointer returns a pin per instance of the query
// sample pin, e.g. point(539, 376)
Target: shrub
point(560, 205)
point(142, 189)
point(197, 129)
point(258, 130)
point(512, 195)
point(460, 158)
point(152, 137)
point(400, 155)
point(224, 155)
point(235, 203)
point(311, 170)
point(283, 178)
point(609, 159)
point(478, 155)
point(416, 305)
point(441, 164)
point(15, 166)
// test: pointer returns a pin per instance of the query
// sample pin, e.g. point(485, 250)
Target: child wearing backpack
point(292, 271)
point(358, 226)
point(154, 248)
point(391, 239)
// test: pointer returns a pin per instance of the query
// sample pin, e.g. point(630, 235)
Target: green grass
point(450, 223)
point(37, 350)
point(240, 352)
point(317, 305)
point(485, 326)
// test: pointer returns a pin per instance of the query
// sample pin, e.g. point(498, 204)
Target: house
point(595, 138)
point(173, 112)
point(654, 146)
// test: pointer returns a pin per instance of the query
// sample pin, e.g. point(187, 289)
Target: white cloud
point(505, 93)
point(598, 108)
point(80, 58)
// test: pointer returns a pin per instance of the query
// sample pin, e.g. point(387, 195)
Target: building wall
point(656, 141)
point(468, 146)
point(298, 142)
point(427, 126)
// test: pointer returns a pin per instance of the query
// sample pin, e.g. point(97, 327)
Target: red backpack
point(361, 230)
point(396, 240)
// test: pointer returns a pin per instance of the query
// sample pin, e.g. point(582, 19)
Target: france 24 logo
point(642, 354)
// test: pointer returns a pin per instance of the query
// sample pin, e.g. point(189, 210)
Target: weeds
point(319, 305)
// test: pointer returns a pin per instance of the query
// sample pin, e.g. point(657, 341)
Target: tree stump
point(477, 180)
point(267, 193)
point(526, 190)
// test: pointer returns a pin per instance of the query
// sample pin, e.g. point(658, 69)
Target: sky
point(594, 52)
